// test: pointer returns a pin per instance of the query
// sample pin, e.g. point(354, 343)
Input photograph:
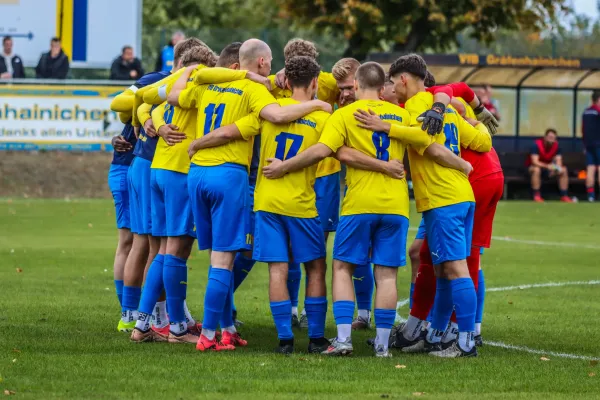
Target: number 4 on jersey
point(282, 140)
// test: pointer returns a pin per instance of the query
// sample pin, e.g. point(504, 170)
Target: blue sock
point(480, 298)
point(412, 292)
point(227, 315)
point(364, 285)
point(564, 193)
point(175, 279)
point(442, 306)
point(217, 292)
point(293, 282)
point(153, 286)
point(241, 268)
point(119, 288)
point(343, 311)
point(384, 318)
point(316, 313)
point(131, 298)
point(282, 315)
point(465, 303)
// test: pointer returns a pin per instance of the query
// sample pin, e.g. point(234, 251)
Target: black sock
point(286, 342)
point(319, 341)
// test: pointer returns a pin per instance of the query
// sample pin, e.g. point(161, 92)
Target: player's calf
point(315, 305)
point(281, 306)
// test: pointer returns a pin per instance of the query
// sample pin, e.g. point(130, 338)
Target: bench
point(516, 175)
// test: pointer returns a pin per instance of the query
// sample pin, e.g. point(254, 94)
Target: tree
point(411, 25)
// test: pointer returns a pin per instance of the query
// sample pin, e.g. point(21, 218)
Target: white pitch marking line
point(539, 242)
point(400, 319)
point(541, 285)
point(541, 352)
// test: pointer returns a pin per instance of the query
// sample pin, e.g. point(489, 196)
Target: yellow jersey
point(370, 192)
point(469, 113)
point(435, 185)
point(223, 104)
point(293, 194)
point(328, 92)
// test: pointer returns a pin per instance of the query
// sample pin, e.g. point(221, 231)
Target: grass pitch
point(58, 317)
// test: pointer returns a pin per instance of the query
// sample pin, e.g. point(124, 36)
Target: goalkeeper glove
point(433, 119)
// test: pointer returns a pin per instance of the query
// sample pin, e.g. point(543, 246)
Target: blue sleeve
point(534, 149)
point(150, 78)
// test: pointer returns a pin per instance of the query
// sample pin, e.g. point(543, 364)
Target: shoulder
point(150, 78)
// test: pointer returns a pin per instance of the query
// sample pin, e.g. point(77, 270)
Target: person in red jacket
point(544, 162)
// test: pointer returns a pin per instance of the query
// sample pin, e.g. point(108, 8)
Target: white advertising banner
point(53, 117)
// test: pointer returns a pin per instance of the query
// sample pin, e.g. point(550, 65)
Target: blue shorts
point(219, 199)
point(449, 231)
point(421, 231)
point(138, 180)
point(117, 182)
point(171, 209)
point(276, 234)
point(327, 189)
point(481, 250)
point(592, 155)
point(383, 234)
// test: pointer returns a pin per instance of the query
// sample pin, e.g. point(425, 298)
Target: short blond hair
point(345, 68)
point(199, 55)
point(300, 48)
point(185, 45)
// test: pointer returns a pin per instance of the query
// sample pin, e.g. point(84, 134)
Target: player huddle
point(248, 165)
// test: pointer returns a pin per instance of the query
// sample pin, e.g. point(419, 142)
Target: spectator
point(590, 130)
point(53, 64)
point(544, 162)
point(126, 67)
point(164, 62)
point(11, 65)
point(485, 96)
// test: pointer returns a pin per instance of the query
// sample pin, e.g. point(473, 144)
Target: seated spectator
point(545, 162)
point(164, 62)
point(126, 67)
point(11, 65)
point(53, 64)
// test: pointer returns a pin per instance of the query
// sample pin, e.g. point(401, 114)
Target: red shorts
point(488, 193)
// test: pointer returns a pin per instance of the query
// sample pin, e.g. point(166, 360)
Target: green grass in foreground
point(58, 318)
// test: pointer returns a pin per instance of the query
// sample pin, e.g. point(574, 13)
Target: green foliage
point(411, 25)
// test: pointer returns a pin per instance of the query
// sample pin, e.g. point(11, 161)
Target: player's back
point(293, 194)
point(175, 158)
point(435, 185)
point(370, 192)
point(223, 104)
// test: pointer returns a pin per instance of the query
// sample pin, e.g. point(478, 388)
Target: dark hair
point(549, 131)
point(411, 63)
point(55, 40)
point(126, 48)
point(184, 46)
point(595, 96)
point(199, 55)
point(429, 79)
point(301, 70)
point(370, 75)
point(6, 39)
point(230, 55)
point(300, 47)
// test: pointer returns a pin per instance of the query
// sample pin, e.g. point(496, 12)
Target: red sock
point(473, 265)
point(424, 294)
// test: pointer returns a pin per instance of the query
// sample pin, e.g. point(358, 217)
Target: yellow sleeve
point(334, 133)
point(137, 102)
point(218, 75)
point(155, 95)
point(475, 138)
point(328, 90)
point(158, 116)
point(416, 107)
point(124, 117)
point(123, 101)
point(260, 97)
point(413, 136)
point(166, 80)
point(249, 126)
point(188, 98)
point(143, 113)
